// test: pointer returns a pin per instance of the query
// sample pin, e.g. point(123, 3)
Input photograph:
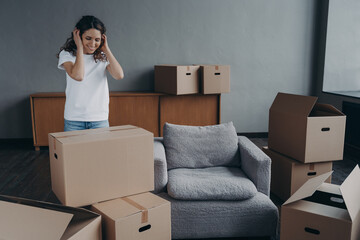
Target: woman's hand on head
point(77, 38)
point(105, 46)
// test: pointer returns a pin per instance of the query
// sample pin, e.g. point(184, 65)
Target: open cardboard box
point(138, 217)
point(288, 175)
point(95, 165)
point(323, 211)
point(305, 130)
point(28, 219)
point(176, 79)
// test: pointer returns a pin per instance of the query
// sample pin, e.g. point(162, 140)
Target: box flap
point(321, 109)
point(82, 219)
point(19, 221)
point(330, 188)
point(293, 104)
point(308, 188)
point(350, 191)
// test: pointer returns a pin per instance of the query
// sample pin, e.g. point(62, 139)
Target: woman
point(85, 57)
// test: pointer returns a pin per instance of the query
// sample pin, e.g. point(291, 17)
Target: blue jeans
point(79, 125)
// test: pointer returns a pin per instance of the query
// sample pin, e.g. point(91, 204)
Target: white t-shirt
point(86, 100)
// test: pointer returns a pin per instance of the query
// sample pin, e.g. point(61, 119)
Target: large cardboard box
point(95, 165)
point(177, 79)
point(214, 79)
point(288, 175)
point(305, 130)
point(323, 211)
point(139, 217)
point(34, 220)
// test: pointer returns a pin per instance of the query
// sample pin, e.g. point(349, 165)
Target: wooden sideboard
point(147, 110)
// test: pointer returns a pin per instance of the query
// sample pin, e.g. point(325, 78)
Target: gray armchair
point(218, 209)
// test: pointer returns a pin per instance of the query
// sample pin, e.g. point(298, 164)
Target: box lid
point(214, 66)
point(130, 205)
point(91, 135)
point(293, 104)
point(188, 67)
point(19, 221)
point(349, 190)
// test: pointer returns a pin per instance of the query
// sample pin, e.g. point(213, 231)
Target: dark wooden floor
point(25, 172)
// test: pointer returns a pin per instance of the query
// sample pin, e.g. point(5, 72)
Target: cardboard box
point(323, 211)
point(288, 175)
point(28, 219)
point(143, 216)
point(305, 130)
point(95, 165)
point(177, 79)
point(215, 79)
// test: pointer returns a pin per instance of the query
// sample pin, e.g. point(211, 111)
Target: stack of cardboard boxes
point(192, 79)
point(107, 170)
point(305, 137)
point(111, 169)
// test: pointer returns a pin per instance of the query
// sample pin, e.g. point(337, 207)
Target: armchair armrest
point(160, 166)
point(256, 164)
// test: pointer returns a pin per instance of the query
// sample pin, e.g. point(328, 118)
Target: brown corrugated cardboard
point(214, 79)
point(29, 219)
point(90, 166)
point(288, 175)
point(305, 130)
point(176, 79)
point(136, 217)
point(323, 211)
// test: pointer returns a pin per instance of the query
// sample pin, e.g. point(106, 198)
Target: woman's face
point(91, 40)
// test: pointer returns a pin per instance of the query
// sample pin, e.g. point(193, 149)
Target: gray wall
point(268, 43)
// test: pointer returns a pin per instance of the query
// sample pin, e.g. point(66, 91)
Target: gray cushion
point(214, 183)
point(197, 147)
point(256, 216)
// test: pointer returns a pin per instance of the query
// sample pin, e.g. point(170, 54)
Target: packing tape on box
point(311, 166)
point(144, 211)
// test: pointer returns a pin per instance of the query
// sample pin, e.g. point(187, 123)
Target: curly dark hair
point(84, 24)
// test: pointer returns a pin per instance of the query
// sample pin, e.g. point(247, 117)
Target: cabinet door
point(196, 110)
point(48, 117)
point(140, 111)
